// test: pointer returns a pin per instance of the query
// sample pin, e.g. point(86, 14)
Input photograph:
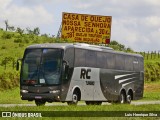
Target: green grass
point(11, 97)
point(112, 110)
point(151, 96)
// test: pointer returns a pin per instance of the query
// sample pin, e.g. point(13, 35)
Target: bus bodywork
point(73, 72)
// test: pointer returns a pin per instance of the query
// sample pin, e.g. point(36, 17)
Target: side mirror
point(17, 65)
point(65, 67)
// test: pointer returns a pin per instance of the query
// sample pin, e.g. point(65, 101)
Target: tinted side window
point(110, 60)
point(69, 56)
point(91, 58)
point(120, 61)
point(141, 64)
point(129, 63)
point(136, 64)
point(79, 57)
point(101, 60)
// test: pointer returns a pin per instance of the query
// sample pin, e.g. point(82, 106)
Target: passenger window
point(101, 60)
point(79, 57)
point(110, 60)
point(91, 58)
point(136, 64)
point(120, 61)
point(69, 56)
point(129, 63)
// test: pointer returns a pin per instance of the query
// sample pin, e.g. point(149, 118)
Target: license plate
point(38, 97)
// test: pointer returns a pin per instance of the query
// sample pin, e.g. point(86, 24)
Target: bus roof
point(80, 45)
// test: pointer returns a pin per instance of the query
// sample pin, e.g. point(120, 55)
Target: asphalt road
point(81, 103)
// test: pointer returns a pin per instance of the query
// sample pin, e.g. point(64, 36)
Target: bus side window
point(79, 57)
point(141, 64)
point(101, 60)
point(129, 63)
point(110, 60)
point(69, 56)
point(136, 64)
point(91, 58)
point(120, 61)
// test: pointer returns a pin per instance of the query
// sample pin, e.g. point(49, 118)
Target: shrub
point(7, 35)
point(26, 41)
point(152, 72)
point(21, 45)
point(18, 40)
point(3, 47)
point(9, 80)
point(1, 29)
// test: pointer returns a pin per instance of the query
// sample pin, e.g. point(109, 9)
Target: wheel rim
point(75, 98)
point(129, 98)
point(122, 98)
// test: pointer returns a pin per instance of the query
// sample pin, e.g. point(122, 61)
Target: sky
point(135, 23)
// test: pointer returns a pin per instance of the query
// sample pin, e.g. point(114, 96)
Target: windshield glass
point(41, 66)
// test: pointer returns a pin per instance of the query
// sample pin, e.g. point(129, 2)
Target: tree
point(20, 31)
point(29, 31)
point(120, 47)
point(6, 23)
point(36, 31)
point(113, 42)
point(129, 49)
point(11, 28)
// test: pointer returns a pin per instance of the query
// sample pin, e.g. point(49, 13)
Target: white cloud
point(153, 2)
point(4, 4)
point(153, 21)
point(29, 17)
point(23, 16)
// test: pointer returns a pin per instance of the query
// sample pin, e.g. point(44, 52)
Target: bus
point(72, 72)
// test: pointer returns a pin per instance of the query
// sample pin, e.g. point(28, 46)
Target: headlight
point(24, 91)
point(54, 91)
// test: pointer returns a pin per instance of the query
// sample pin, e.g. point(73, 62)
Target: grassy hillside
point(12, 46)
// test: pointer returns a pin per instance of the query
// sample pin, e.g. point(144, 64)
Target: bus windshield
point(41, 66)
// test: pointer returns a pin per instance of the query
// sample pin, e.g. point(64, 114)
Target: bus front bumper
point(49, 97)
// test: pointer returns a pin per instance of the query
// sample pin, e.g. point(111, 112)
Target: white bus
point(75, 72)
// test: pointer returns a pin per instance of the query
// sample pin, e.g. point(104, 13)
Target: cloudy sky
point(135, 23)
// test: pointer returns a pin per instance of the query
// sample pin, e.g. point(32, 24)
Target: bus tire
point(129, 98)
point(40, 102)
point(122, 98)
point(75, 99)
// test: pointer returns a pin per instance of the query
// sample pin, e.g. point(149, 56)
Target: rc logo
point(85, 73)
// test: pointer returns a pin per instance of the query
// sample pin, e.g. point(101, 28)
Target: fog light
point(54, 91)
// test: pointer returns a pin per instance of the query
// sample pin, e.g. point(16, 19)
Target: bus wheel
point(122, 98)
point(40, 102)
point(129, 98)
point(75, 99)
